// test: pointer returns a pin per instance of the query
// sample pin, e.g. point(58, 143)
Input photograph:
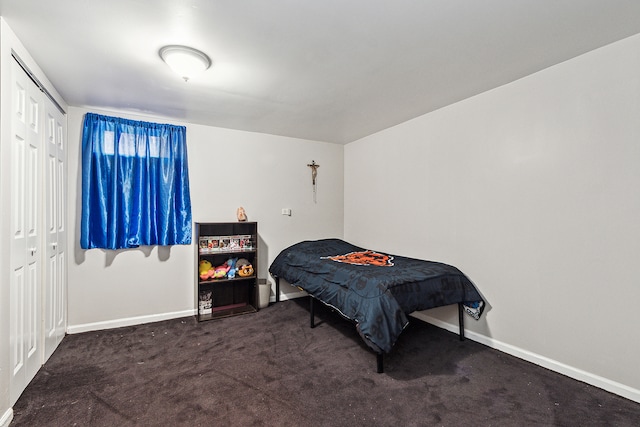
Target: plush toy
point(220, 272)
point(245, 270)
point(231, 262)
point(242, 261)
point(205, 269)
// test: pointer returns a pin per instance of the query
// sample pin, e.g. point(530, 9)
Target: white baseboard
point(293, 295)
point(553, 365)
point(7, 417)
point(130, 321)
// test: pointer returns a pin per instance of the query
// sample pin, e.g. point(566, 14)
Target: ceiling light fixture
point(186, 61)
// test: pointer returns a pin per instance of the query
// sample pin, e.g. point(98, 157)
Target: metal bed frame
point(379, 354)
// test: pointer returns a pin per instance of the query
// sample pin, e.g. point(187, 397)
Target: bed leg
point(312, 312)
point(380, 362)
point(461, 320)
point(277, 289)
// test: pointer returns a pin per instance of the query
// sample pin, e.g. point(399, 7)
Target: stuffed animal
point(244, 267)
point(205, 269)
point(231, 262)
point(241, 262)
point(220, 272)
point(245, 270)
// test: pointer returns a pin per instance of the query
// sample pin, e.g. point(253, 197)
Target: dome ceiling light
point(185, 61)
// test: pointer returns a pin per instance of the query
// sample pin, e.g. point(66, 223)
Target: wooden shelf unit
point(217, 242)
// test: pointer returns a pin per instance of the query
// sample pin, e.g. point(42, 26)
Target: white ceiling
point(327, 70)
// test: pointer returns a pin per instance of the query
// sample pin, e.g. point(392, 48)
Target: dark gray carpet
point(270, 368)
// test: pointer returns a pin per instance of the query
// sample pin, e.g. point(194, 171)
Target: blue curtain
point(135, 184)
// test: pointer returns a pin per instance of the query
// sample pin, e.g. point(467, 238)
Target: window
point(135, 184)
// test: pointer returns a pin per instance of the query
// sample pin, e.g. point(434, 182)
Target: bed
point(376, 291)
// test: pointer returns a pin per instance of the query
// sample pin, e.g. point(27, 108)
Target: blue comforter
point(375, 290)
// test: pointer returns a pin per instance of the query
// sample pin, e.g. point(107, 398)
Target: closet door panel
point(55, 274)
point(26, 237)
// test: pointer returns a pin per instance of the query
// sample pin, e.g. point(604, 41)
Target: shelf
point(226, 252)
point(242, 239)
point(227, 310)
point(235, 279)
point(218, 241)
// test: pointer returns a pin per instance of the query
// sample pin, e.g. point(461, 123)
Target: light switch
point(286, 211)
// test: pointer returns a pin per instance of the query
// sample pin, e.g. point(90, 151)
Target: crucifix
point(314, 173)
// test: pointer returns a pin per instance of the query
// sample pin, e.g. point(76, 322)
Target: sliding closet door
point(26, 253)
point(55, 229)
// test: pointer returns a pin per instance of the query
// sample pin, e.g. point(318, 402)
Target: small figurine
point(242, 216)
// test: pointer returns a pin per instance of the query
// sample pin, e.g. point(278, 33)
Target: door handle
point(33, 251)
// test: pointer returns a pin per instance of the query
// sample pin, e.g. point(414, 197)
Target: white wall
point(5, 193)
point(227, 169)
point(531, 189)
